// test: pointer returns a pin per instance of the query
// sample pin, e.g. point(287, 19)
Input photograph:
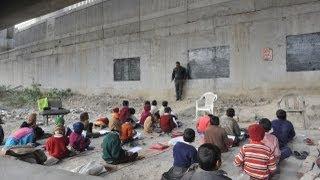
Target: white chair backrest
point(210, 98)
point(293, 102)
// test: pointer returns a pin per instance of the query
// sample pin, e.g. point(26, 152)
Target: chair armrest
point(199, 100)
point(279, 104)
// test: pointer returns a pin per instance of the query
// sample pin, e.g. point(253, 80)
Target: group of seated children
point(77, 141)
point(190, 164)
point(65, 142)
point(211, 131)
point(151, 119)
point(218, 130)
point(56, 145)
point(258, 158)
point(122, 124)
point(264, 151)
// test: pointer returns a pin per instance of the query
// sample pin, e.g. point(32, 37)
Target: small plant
point(29, 96)
point(56, 93)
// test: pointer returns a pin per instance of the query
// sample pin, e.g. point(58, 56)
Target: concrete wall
point(6, 39)
point(76, 49)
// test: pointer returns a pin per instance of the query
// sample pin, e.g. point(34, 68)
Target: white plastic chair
point(294, 103)
point(209, 99)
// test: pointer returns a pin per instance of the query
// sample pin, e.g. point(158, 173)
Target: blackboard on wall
point(206, 63)
point(126, 69)
point(303, 52)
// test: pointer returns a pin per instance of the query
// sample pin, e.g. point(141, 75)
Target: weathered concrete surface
point(6, 39)
point(76, 49)
point(15, 11)
point(16, 170)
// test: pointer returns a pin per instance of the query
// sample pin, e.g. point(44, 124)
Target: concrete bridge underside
point(16, 11)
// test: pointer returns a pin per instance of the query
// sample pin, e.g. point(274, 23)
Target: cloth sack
point(91, 168)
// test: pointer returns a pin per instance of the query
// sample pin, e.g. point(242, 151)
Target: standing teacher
point(179, 75)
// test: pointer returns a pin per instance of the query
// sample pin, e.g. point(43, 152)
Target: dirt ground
point(155, 163)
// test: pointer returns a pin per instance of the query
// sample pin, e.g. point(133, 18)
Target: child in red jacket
point(57, 144)
point(167, 123)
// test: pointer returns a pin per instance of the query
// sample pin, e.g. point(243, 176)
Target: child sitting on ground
point(154, 107)
point(164, 105)
point(112, 150)
point(216, 135)
point(255, 158)
point(57, 144)
point(115, 113)
point(184, 155)
point(166, 121)
point(124, 112)
point(32, 123)
point(145, 113)
point(284, 131)
point(22, 136)
point(134, 120)
point(127, 132)
point(209, 157)
point(76, 140)
point(84, 118)
point(114, 122)
point(270, 140)
point(151, 122)
point(132, 115)
point(203, 123)
point(231, 126)
point(59, 121)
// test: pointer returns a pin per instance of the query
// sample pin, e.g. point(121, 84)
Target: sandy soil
point(155, 162)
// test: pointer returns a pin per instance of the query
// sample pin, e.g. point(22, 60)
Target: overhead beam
point(13, 12)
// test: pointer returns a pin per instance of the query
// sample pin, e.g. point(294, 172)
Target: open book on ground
point(231, 137)
point(135, 149)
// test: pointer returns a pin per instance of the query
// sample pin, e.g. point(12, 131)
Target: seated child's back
point(127, 132)
point(57, 144)
point(166, 121)
point(184, 155)
point(77, 141)
point(202, 123)
point(257, 159)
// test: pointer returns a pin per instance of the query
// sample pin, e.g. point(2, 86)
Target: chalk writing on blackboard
point(211, 62)
point(126, 69)
point(303, 52)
